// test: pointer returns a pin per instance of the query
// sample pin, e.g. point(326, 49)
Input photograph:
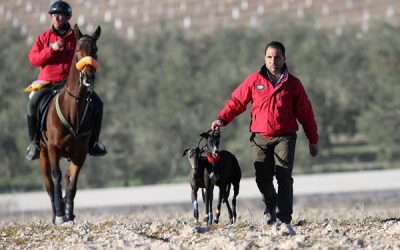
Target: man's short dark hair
point(275, 45)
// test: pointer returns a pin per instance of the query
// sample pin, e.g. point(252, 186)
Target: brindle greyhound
point(200, 177)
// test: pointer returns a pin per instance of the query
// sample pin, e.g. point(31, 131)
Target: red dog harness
point(213, 159)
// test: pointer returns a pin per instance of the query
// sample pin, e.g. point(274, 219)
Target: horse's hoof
point(59, 220)
point(216, 221)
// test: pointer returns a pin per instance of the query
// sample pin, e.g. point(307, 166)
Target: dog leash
point(253, 135)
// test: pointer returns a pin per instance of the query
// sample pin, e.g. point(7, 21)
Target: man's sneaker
point(32, 152)
point(285, 228)
point(288, 229)
point(97, 149)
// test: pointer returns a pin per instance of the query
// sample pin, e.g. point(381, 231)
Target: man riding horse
point(53, 51)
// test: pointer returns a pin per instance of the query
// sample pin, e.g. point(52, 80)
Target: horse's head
point(86, 55)
point(193, 155)
point(213, 139)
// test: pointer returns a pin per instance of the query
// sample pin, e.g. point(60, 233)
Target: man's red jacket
point(274, 110)
point(53, 65)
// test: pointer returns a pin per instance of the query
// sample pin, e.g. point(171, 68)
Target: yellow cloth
point(36, 85)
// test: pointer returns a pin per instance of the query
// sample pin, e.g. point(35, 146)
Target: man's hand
point(57, 45)
point(314, 150)
point(215, 125)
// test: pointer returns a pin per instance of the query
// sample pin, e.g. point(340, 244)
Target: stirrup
point(97, 149)
point(33, 151)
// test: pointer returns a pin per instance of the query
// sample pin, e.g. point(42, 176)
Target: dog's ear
point(185, 152)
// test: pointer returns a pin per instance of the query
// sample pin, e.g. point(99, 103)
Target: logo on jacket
point(260, 86)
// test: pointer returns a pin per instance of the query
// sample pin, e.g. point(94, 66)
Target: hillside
point(130, 17)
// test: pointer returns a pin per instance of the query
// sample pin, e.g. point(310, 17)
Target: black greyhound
point(226, 170)
point(219, 168)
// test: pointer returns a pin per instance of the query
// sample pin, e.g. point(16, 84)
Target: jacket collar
point(265, 73)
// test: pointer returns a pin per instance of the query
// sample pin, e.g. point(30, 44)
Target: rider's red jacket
point(274, 110)
point(53, 65)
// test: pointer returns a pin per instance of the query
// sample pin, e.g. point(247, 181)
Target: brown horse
point(68, 127)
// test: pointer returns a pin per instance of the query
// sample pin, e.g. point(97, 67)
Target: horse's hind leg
point(56, 176)
point(71, 180)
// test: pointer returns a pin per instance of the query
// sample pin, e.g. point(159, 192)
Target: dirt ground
point(368, 220)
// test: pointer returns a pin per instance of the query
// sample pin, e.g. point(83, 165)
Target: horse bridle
point(82, 75)
point(82, 81)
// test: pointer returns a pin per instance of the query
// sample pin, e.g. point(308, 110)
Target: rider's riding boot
point(96, 148)
point(32, 152)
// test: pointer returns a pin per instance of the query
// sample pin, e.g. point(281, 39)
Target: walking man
point(278, 103)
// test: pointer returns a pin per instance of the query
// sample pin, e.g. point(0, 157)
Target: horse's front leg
point(48, 182)
point(56, 176)
point(71, 180)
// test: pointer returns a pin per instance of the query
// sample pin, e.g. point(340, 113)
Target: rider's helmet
point(60, 7)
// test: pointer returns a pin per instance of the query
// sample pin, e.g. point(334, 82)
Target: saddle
point(43, 109)
point(44, 101)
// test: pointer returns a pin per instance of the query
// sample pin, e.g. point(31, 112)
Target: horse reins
point(75, 133)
